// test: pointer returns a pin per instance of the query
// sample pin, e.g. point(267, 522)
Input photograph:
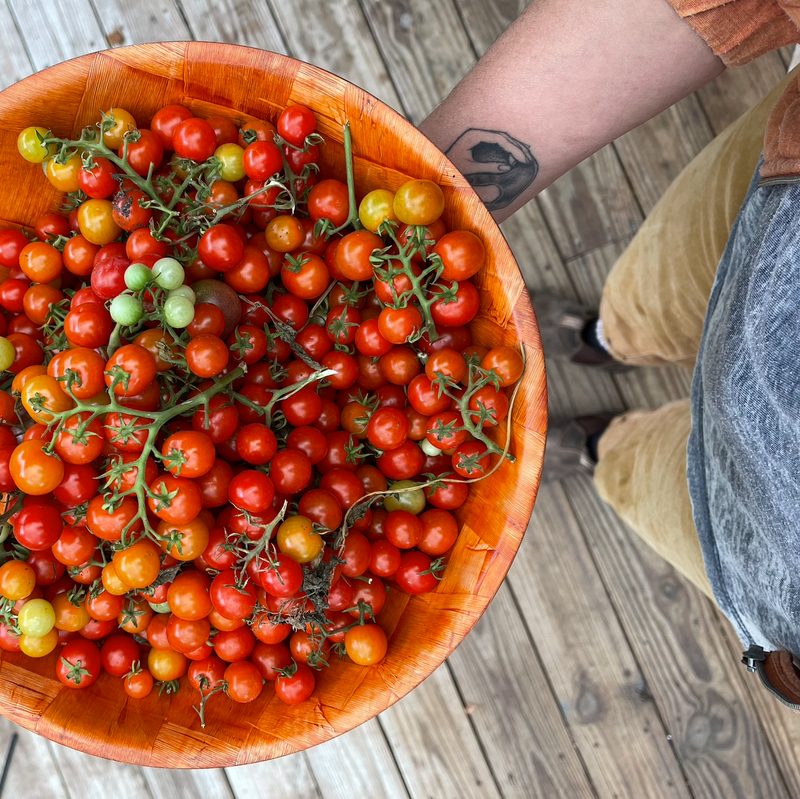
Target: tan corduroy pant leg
point(653, 308)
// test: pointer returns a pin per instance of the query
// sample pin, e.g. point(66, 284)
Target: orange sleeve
point(740, 30)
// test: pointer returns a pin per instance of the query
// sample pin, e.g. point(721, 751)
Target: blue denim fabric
point(744, 448)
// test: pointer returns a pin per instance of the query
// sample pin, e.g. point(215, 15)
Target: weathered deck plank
point(15, 63)
point(57, 30)
point(434, 744)
point(588, 659)
point(235, 22)
point(32, 772)
point(693, 679)
point(425, 47)
point(528, 744)
point(359, 763)
point(337, 39)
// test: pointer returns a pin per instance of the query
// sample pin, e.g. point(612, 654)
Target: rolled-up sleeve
point(741, 30)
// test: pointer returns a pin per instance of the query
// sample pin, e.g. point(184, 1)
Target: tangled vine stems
point(92, 143)
point(419, 283)
point(358, 510)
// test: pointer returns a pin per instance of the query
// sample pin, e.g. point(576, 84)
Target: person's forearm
point(567, 78)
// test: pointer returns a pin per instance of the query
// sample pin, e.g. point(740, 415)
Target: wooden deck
point(597, 671)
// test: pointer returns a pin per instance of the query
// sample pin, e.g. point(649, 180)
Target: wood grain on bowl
point(241, 82)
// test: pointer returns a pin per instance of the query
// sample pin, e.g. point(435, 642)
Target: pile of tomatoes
point(239, 406)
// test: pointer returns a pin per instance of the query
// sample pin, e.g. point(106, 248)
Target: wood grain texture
point(485, 20)
point(387, 151)
point(359, 763)
point(234, 22)
point(143, 21)
point(428, 746)
point(338, 40)
point(186, 784)
point(84, 774)
point(287, 778)
point(527, 743)
point(425, 47)
point(725, 99)
point(14, 61)
point(695, 682)
point(654, 154)
point(589, 661)
point(57, 29)
point(33, 772)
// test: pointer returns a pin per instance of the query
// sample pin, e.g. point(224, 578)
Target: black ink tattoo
point(498, 166)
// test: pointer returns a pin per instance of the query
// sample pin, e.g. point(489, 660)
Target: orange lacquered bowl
point(240, 82)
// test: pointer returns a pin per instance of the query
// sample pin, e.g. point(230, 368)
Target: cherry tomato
point(232, 599)
point(38, 527)
point(118, 654)
point(296, 687)
point(33, 470)
point(366, 645)
point(79, 664)
point(166, 120)
point(40, 262)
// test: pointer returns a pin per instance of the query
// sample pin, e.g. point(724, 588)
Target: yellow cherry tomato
point(64, 177)
point(6, 354)
point(419, 202)
point(38, 647)
point(297, 539)
point(43, 393)
point(96, 222)
point(17, 579)
point(36, 618)
point(230, 156)
point(123, 122)
point(375, 208)
point(31, 148)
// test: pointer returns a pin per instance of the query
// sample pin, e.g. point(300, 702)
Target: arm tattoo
point(498, 166)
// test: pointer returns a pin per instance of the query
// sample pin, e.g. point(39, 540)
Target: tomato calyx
point(74, 672)
point(436, 568)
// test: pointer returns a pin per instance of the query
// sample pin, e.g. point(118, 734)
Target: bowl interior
point(240, 82)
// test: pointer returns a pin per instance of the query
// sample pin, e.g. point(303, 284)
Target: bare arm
point(565, 79)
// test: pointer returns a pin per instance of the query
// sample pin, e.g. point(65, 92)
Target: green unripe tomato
point(230, 156)
point(31, 149)
point(168, 273)
point(178, 311)
point(412, 501)
point(126, 310)
point(6, 354)
point(184, 291)
point(36, 618)
point(428, 448)
point(137, 276)
point(160, 607)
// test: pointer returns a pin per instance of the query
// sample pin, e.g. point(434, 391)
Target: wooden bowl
point(239, 82)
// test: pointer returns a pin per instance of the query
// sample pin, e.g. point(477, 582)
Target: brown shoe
point(561, 323)
point(567, 450)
